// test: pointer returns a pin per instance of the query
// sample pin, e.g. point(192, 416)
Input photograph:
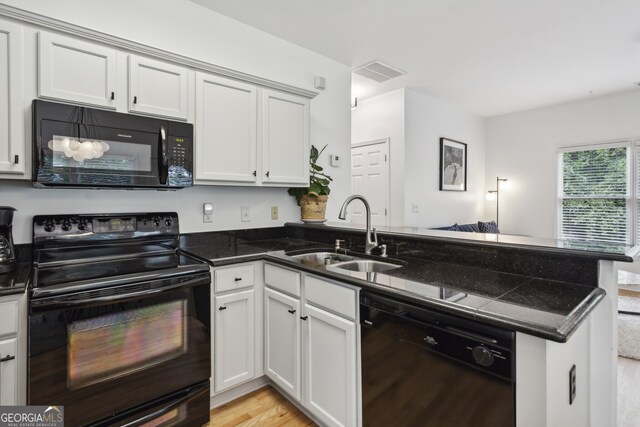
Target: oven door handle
point(163, 166)
point(163, 410)
point(63, 301)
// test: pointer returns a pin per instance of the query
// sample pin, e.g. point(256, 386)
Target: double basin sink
point(345, 262)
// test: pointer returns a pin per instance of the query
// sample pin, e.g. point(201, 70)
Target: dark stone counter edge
point(561, 335)
point(598, 255)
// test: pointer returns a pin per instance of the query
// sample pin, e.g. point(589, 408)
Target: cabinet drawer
point(338, 299)
point(231, 278)
point(282, 279)
point(8, 317)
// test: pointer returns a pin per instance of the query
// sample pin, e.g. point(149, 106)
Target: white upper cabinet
point(158, 88)
point(285, 138)
point(12, 143)
point(76, 71)
point(226, 131)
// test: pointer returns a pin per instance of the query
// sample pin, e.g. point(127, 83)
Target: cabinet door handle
point(255, 173)
point(135, 99)
point(222, 308)
point(16, 159)
point(7, 358)
point(113, 96)
point(304, 317)
point(292, 311)
point(267, 174)
point(237, 279)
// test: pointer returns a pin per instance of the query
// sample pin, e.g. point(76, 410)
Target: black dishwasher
point(425, 368)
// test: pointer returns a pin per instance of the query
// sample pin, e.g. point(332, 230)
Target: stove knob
point(49, 226)
point(156, 222)
point(168, 222)
point(82, 226)
point(66, 226)
point(482, 356)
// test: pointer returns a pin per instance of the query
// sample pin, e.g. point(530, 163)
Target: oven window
point(114, 344)
point(83, 153)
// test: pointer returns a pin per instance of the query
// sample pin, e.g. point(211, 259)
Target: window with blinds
point(595, 198)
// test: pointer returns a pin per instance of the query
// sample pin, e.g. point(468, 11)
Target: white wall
point(427, 119)
point(414, 122)
point(383, 117)
point(183, 27)
point(523, 147)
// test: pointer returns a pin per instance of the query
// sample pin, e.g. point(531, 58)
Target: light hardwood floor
point(264, 407)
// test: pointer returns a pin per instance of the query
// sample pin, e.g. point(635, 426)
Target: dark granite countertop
point(544, 308)
point(15, 282)
point(588, 249)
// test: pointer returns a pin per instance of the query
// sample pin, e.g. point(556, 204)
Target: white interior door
point(370, 178)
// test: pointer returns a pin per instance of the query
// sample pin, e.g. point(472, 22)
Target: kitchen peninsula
point(558, 297)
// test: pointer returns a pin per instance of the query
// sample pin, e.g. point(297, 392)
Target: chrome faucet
point(371, 241)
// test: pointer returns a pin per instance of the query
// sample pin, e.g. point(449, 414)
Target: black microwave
point(85, 147)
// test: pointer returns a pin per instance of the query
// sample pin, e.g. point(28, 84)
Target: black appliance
point(119, 321)
point(424, 368)
point(85, 147)
point(7, 251)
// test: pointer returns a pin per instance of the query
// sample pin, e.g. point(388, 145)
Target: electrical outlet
point(207, 212)
point(415, 208)
point(572, 384)
point(274, 212)
point(245, 215)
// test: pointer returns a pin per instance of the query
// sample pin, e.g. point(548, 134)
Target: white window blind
point(595, 200)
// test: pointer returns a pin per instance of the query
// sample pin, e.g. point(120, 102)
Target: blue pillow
point(488, 227)
point(469, 228)
point(454, 227)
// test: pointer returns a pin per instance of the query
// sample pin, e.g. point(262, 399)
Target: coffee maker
point(7, 253)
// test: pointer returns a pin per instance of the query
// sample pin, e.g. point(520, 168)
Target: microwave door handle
point(163, 166)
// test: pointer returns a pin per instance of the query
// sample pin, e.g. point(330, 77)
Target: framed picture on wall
point(453, 165)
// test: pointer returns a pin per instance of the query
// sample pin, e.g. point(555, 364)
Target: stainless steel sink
point(321, 258)
point(366, 265)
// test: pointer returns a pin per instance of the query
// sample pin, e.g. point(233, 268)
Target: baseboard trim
point(239, 391)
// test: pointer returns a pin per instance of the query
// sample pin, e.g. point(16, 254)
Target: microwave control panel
point(180, 152)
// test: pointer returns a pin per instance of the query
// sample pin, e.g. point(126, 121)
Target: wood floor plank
point(264, 407)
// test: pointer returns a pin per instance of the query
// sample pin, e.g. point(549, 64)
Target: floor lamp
point(495, 195)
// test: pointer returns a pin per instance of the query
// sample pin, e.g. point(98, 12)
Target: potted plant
point(313, 199)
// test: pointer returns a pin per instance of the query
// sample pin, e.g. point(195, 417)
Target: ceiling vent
point(378, 71)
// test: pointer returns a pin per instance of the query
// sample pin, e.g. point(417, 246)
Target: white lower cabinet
point(8, 371)
point(236, 318)
point(330, 367)
point(311, 344)
point(234, 339)
point(282, 341)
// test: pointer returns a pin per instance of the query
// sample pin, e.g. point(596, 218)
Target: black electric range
point(119, 321)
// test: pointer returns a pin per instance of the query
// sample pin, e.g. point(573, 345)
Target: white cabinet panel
point(12, 143)
point(226, 130)
point(285, 138)
point(77, 71)
point(158, 88)
point(330, 367)
point(8, 371)
point(234, 339)
point(282, 341)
